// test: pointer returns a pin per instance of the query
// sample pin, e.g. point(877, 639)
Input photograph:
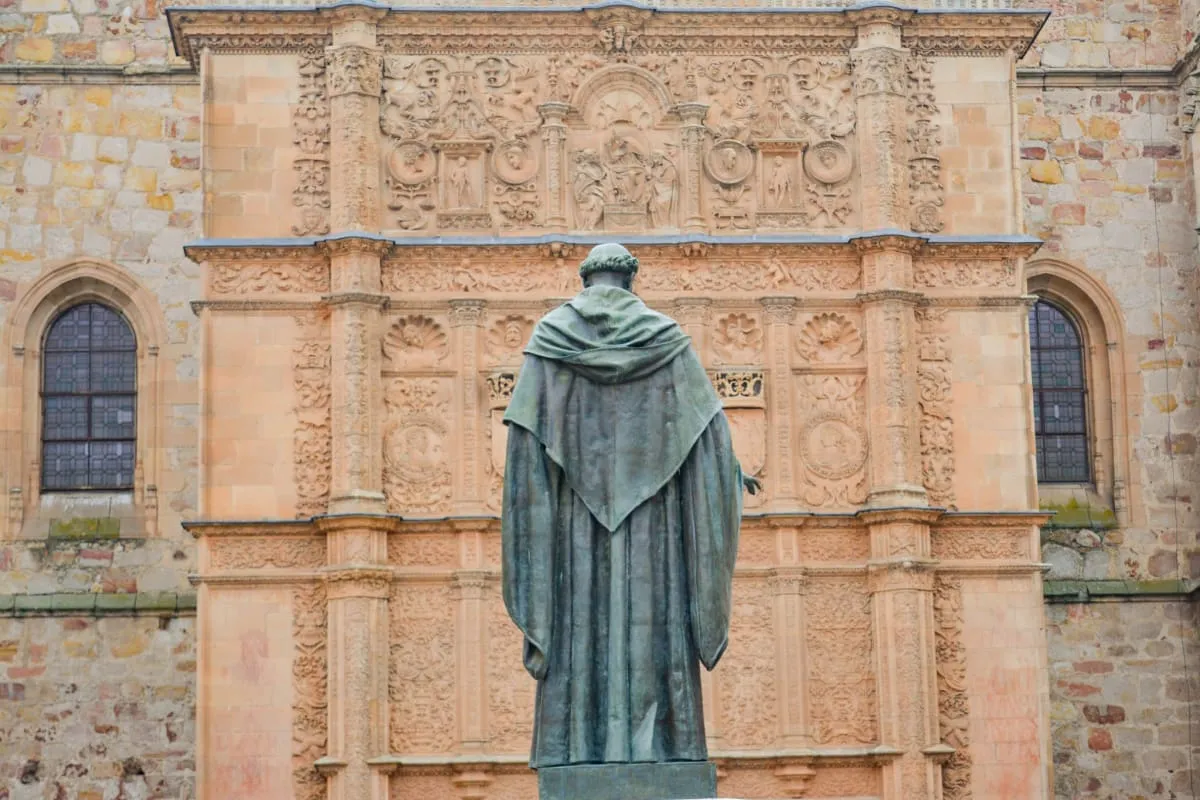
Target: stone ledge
point(97, 604)
point(1111, 591)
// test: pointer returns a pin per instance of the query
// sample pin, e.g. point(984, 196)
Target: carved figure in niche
point(829, 338)
point(460, 184)
point(664, 179)
point(615, 638)
point(780, 187)
point(627, 168)
point(587, 184)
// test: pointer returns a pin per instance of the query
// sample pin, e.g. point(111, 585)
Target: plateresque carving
point(242, 278)
point(833, 440)
point(738, 339)
point(310, 125)
point(841, 676)
point(935, 396)
point(926, 193)
point(309, 690)
point(415, 340)
point(416, 471)
point(829, 338)
point(953, 704)
point(312, 449)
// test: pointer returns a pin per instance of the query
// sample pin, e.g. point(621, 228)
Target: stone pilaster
point(880, 95)
point(693, 315)
point(554, 138)
point(469, 586)
point(900, 579)
point(693, 131)
point(780, 312)
point(357, 585)
point(355, 318)
point(354, 71)
point(466, 317)
point(889, 320)
point(787, 584)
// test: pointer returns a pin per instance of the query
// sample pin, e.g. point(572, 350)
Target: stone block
point(85, 528)
point(666, 781)
point(64, 602)
point(114, 602)
point(36, 50)
point(1064, 562)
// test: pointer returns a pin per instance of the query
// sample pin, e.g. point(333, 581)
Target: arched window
point(89, 401)
point(1059, 396)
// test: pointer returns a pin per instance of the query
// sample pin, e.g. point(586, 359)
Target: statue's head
point(609, 263)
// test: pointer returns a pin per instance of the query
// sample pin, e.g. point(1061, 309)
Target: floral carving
point(965, 274)
point(926, 194)
point(879, 69)
point(415, 340)
point(833, 440)
point(935, 396)
point(423, 550)
point(841, 677)
point(829, 338)
point(240, 278)
point(312, 440)
point(747, 680)
point(738, 339)
point(310, 126)
point(507, 337)
point(416, 472)
point(953, 703)
point(959, 545)
point(262, 553)
point(309, 690)
point(422, 669)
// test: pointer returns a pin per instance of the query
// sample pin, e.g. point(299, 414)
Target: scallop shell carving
point(828, 338)
point(416, 340)
point(738, 339)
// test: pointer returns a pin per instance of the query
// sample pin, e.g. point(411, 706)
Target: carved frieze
point(310, 128)
point(953, 703)
point(969, 545)
point(312, 445)
point(416, 446)
point(965, 273)
point(270, 278)
point(841, 675)
point(252, 553)
point(935, 396)
point(309, 690)
point(832, 441)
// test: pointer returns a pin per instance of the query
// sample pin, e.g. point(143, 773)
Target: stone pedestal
point(677, 780)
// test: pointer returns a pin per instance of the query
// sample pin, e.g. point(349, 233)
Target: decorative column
point(554, 138)
point(469, 591)
point(880, 94)
point(900, 578)
point(466, 316)
point(780, 312)
point(787, 584)
point(693, 132)
point(354, 72)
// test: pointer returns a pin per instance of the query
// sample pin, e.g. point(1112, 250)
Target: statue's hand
point(753, 485)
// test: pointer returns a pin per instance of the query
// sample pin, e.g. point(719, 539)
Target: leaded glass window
point(1059, 396)
point(89, 397)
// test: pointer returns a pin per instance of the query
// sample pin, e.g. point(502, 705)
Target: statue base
point(669, 780)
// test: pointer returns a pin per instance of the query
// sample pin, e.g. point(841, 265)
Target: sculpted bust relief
point(622, 505)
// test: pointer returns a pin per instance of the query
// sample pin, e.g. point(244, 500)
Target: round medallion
point(831, 448)
point(416, 449)
point(411, 163)
point(828, 162)
point(514, 162)
point(729, 162)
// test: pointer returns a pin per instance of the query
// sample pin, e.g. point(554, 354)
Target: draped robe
point(622, 503)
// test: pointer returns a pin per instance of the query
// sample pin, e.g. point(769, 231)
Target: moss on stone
point(85, 528)
point(1073, 514)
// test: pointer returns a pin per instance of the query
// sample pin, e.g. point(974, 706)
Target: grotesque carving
point(309, 690)
point(926, 193)
point(935, 394)
point(506, 337)
point(840, 664)
point(953, 708)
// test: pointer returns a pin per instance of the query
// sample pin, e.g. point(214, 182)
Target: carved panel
point(746, 678)
point(841, 678)
point(833, 545)
point(510, 689)
point(421, 674)
point(310, 127)
point(417, 446)
point(415, 341)
point(991, 543)
point(312, 447)
point(935, 395)
point(423, 550)
point(266, 552)
point(846, 782)
point(829, 338)
point(833, 439)
point(757, 547)
point(965, 273)
point(272, 278)
point(953, 704)
point(925, 190)
point(738, 339)
point(507, 337)
point(309, 690)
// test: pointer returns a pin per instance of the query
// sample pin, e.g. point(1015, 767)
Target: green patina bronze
point(622, 503)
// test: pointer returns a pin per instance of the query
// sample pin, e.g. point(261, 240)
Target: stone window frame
point(57, 289)
point(1097, 316)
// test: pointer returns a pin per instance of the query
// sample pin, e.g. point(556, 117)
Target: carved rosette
point(309, 690)
point(953, 704)
point(925, 189)
point(312, 441)
point(935, 396)
point(310, 127)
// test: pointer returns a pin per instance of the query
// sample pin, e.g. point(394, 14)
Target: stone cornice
point(718, 30)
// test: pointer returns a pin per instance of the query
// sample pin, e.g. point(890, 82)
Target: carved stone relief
point(415, 341)
point(743, 396)
point(953, 705)
point(960, 545)
point(312, 446)
point(829, 338)
point(416, 446)
point(925, 190)
point(833, 440)
point(266, 553)
point(747, 681)
point(935, 396)
point(270, 278)
point(310, 127)
point(500, 386)
point(421, 670)
point(510, 691)
point(738, 339)
point(507, 337)
point(309, 690)
point(965, 273)
point(841, 675)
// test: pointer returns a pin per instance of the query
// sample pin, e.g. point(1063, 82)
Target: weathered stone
point(1046, 172)
point(1064, 562)
point(35, 49)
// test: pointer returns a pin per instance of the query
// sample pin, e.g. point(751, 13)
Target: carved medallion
point(831, 447)
point(515, 162)
point(828, 162)
point(729, 162)
point(411, 163)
